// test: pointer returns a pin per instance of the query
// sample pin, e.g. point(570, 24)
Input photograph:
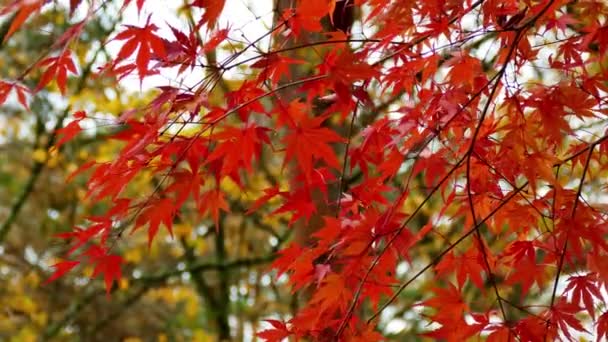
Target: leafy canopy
point(492, 113)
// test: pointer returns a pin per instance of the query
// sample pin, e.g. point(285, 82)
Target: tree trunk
point(342, 19)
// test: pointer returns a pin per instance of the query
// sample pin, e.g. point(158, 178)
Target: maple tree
point(477, 128)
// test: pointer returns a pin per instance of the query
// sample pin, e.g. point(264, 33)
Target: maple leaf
point(298, 262)
point(310, 141)
point(368, 335)
point(24, 10)
point(464, 69)
point(61, 268)
point(57, 69)
point(439, 26)
point(84, 236)
point(182, 51)
point(73, 5)
point(534, 329)
point(470, 265)
point(185, 183)
point(602, 327)
point(278, 333)
point(139, 4)
point(332, 294)
point(521, 250)
point(561, 23)
point(598, 263)
point(457, 330)
point(144, 41)
point(448, 303)
point(161, 211)
point(286, 258)
point(20, 90)
point(330, 230)
point(248, 140)
point(268, 195)
point(108, 265)
point(215, 39)
point(213, 9)
point(584, 289)
point(69, 34)
point(526, 274)
point(308, 15)
point(563, 314)
point(299, 203)
point(275, 67)
point(212, 202)
point(68, 132)
point(499, 333)
point(245, 94)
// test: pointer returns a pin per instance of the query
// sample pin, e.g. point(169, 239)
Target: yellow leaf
point(132, 339)
point(191, 308)
point(201, 336)
point(83, 154)
point(39, 155)
point(40, 318)
point(25, 335)
point(88, 271)
point(123, 283)
point(24, 304)
point(200, 246)
point(32, 279)
point(230, 187)
point(182, 230)
point(133, 255)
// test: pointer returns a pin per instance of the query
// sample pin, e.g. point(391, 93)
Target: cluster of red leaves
point(493, 152)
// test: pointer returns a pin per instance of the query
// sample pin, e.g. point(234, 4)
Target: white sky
point(248, 20)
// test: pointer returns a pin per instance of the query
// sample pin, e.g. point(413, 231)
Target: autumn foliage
point(491, 113)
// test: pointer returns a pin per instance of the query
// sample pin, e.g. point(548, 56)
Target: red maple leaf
point(585, 289)
point(248, 139)
point(213, 9)
point(309, 141)
point(602, 327)
point(108, 265)
point(563, 314)
point(5, 90)
point(139, 3)
point(278, 332)
point(61, 268)
point(275, 67)
point(24, 10)
point(211, 202)
point(57, 69)
point(72, 129)
point(160, 211)
point(470, 265)
point(448, 303)
point(145, 42)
